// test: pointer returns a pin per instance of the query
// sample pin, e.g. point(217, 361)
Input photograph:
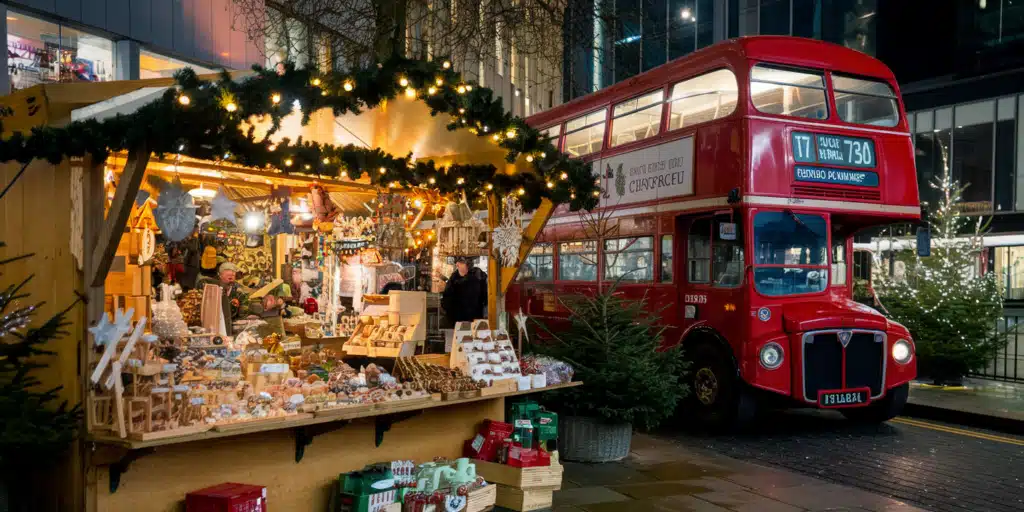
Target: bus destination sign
point(836, 176)
point(819, 148)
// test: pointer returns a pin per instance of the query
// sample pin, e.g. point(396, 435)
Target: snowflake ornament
point(508, 236)
point(175, 212)
point(222, 207)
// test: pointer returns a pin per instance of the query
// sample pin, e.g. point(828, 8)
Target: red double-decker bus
point(735, 179)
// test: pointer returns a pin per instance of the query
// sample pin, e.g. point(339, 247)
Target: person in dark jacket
point(465, 294)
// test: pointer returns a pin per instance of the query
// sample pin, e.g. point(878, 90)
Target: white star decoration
point(105, 332)
point(222, 207)
point(521, 323)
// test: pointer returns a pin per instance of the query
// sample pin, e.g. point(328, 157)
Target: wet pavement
point(976, 396)
point(664, 474)
point(932, 465)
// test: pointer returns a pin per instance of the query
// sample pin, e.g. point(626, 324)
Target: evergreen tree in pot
point(36, 426)
point(629, 379)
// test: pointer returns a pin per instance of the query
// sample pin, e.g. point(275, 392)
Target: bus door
point(712, 275)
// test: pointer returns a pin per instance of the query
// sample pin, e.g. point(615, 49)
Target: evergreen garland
point(200, 119)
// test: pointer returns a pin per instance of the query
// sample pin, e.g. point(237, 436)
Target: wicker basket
point(584, 439)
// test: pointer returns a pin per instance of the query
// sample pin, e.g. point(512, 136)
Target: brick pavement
point(664, 475)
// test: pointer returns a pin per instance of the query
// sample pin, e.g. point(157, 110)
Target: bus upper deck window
point(551, 134)
point(788, 92)
point(703, 98)
point(637, 119)
point(585, 134)
point(865, 101)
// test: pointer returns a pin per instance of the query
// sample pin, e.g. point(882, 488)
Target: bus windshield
point(790, 253)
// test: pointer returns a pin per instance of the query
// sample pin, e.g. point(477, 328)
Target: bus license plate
point(844, 398)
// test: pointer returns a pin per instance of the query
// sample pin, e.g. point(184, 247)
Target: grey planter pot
point(584, 439)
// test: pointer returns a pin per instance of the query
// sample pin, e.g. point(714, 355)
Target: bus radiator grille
point(823, 363)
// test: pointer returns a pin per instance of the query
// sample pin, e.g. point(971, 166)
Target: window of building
point(42, 52)
point(865, 101)
point(788, 92)
point(666, 259)
point(629, 259)
point(637, 119)
point(1009, 270)
point(774, 17)
point(286, 40)
point(727, 253)
point(153, 65)
point(747, 17)
point(577, 261)
point(703, 98)
point(539, 264)
point(585, 134)
point(698, 251)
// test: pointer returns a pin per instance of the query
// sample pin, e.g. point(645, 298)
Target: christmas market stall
point(245, 269)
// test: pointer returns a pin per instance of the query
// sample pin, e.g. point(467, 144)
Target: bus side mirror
point(924, 242)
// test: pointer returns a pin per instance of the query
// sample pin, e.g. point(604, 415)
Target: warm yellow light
point(469, 87)
point(287, 162)
point(461, 89)
point(495, 137)
point(231, 107)
point(446, 65)
point(323, 93)
point(597, 193)
point(511, 134)
point(307, 166)
point(439, 82)
point(404, 82)
point(344, 174)
point(184, 99)
point(418, 203)
point(462, 111)
point(432, 181)
point(463, 120)
point(572, 195)
point(551, 185)
point(410, 92)
point(521, 191)
point(326, 160)
point(394, 184)
point(276, 98)
point(460, 181)
point(543, 155)
point(431, 90)
point(490, 187)
point(564, 175)
point(316, 82)
point(382, 170)
point(529, 158)
point(347, 86)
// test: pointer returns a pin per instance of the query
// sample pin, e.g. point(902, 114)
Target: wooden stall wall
point(158, 482)
point(35, 217)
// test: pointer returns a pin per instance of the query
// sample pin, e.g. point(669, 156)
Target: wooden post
point(494, 291)
point(530, 234)
point(120, 210)
point(93, 203)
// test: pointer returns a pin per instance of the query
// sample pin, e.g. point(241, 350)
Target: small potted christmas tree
point(629, 380)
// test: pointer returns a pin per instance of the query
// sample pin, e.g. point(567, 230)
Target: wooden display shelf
point(309, 419)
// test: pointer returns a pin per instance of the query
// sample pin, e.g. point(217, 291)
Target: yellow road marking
point(957, 431)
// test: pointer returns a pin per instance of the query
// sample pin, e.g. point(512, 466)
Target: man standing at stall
point(465, 294)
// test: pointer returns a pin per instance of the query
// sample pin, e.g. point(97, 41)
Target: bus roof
point(795, 51)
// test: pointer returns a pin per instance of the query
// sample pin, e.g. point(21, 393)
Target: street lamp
point(688, 16)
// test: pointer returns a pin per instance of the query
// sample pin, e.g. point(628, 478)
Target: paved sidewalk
point(661, 475)
point(986, 403)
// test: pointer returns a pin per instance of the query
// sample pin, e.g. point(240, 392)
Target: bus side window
point(698, 251)
point(539, 264)
point(727, 261)
point(666, 259)
point(577, 261)
point(838, 264)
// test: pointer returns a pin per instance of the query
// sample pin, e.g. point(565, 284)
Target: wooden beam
point(117, 217)
point(494, 295)
point(530, 234)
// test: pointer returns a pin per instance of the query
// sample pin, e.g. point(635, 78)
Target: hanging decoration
point(222, 207)
point(147, 245)
point(324, 210)
point(389, 222)
point(281, 222)
point(508, 236)
point(201, 119)
point(458, 232)
point(175, 212)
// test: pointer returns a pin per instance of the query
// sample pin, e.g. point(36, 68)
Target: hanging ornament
point(175, 212)
point(508, 236)
point(147, 245)
point(324, 210)
point(281, 222)
point(222, 207)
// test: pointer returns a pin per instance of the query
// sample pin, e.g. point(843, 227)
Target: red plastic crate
point(228, 497)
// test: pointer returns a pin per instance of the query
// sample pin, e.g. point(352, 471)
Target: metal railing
point(1008, 362)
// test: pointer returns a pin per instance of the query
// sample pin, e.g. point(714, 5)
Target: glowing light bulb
point(316, 82)
point(446, 64)
point(231, 107)
point(410, 92)
point(529, 158)
point(551, 185)
point(418, 203)
point(307, 167)
point(564, 175)
point(490, 186)
point(288, 162)
point(495, 137)
point(432, 181)
point(597, 193)
point(347, 86)
point(461, 89)
point(469, 87)
point(184, 100)
point(439, 82)
point(432, 90)
point(572, 195)
point(382, 170)
point(344, 174)
point(511, 134)
point(521, 191)
point(326, 160)
point(404, 82)
point(462, 111)
point(460, 181)
point(276, 98)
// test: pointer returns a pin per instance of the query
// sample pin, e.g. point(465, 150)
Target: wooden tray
point(239, 425)
point(500, 386)
point(162, 434)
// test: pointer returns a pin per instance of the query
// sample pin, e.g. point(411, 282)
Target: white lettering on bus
point(830, 175)
point(664, 180)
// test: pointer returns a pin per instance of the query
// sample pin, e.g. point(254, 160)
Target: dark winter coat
point(465, 297)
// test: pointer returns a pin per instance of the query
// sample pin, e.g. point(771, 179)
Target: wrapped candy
point(555, 371)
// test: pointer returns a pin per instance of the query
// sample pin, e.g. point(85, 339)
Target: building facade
point(608, 41)
point(99, 40)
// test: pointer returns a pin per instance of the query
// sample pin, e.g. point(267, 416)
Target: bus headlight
point(902, 352)
point(771, 356)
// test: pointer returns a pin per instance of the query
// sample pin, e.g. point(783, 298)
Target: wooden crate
point(499, 387)
point(519, 499)
point(482, 499)
point(520, 478)
point(135, 280)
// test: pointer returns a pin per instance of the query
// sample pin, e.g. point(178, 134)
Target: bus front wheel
point(880, 410)
point(718, 398)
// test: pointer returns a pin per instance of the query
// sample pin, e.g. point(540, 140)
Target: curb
point(972, 419)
